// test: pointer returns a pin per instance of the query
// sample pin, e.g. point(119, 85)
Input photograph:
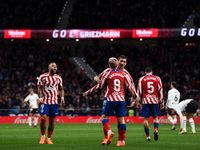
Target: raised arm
point(98, 78)
point(98, 86)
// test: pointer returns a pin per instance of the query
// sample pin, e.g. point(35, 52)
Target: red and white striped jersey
point(50, 87)
point(115, 81)
point(130, 79)
point(150, 86)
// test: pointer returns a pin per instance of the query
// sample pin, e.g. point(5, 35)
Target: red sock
point(42, 132)
point(49, 134)
point(123, 134)
point(105, 133)
point(119, 139)
point(106, 126)
point(156, 128)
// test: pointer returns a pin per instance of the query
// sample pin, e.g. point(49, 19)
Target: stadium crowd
point(32, 14)
point(97, 14)
point(100, 14)
point(22, 62)
point(170, 62)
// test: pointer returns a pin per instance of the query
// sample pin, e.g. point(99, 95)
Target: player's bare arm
point(136, 102)
point(162, 106)
point(28, 104)
point(40, 94)
point(133, 86)
point(61, 94)
point(85, 93)
point(98, 78)
point(38, 102)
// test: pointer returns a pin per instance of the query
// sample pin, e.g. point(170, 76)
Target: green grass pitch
point(89, 137)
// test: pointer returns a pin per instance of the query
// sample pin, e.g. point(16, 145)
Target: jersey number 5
point(150, 87)
point(117, 85)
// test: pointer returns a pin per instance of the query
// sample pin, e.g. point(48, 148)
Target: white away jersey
point(181, 106)
point(173, 98)
point(32, 100)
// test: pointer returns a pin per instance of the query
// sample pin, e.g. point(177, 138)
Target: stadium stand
point(32, 14)
point(165, 60)
point(22, 62)
point(97, 14)
point(103, 14)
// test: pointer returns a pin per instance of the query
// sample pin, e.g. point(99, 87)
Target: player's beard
point(121, 66)
point(52, 72)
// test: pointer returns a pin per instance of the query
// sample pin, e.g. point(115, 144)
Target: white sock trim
point(175, 120)
point(191, 121)
point(29, 120)
point(35, 120)
point(170, 119)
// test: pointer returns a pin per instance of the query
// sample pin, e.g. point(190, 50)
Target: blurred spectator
point(170, 62)
point(31, 14)
point(103, 14)
point(88, 109)
point(14, 109)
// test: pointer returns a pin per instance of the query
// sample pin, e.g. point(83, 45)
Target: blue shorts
point(104, 102)
point(49, 110)
point(118, 106)
point(150, 108)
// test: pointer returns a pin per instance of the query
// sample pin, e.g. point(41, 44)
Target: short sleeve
point(37, 97)
point(61, 82)
point(27, 98)
point(39, 81)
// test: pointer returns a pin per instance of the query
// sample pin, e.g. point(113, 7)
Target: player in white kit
point(173, 99)
point(187, 108)
point(32, 100)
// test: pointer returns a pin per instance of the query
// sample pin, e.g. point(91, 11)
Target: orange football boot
point(104, 142)
point(110, 136)
point(42, 140)
point(49, 141)
point(122, 143)
point(118, 143)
